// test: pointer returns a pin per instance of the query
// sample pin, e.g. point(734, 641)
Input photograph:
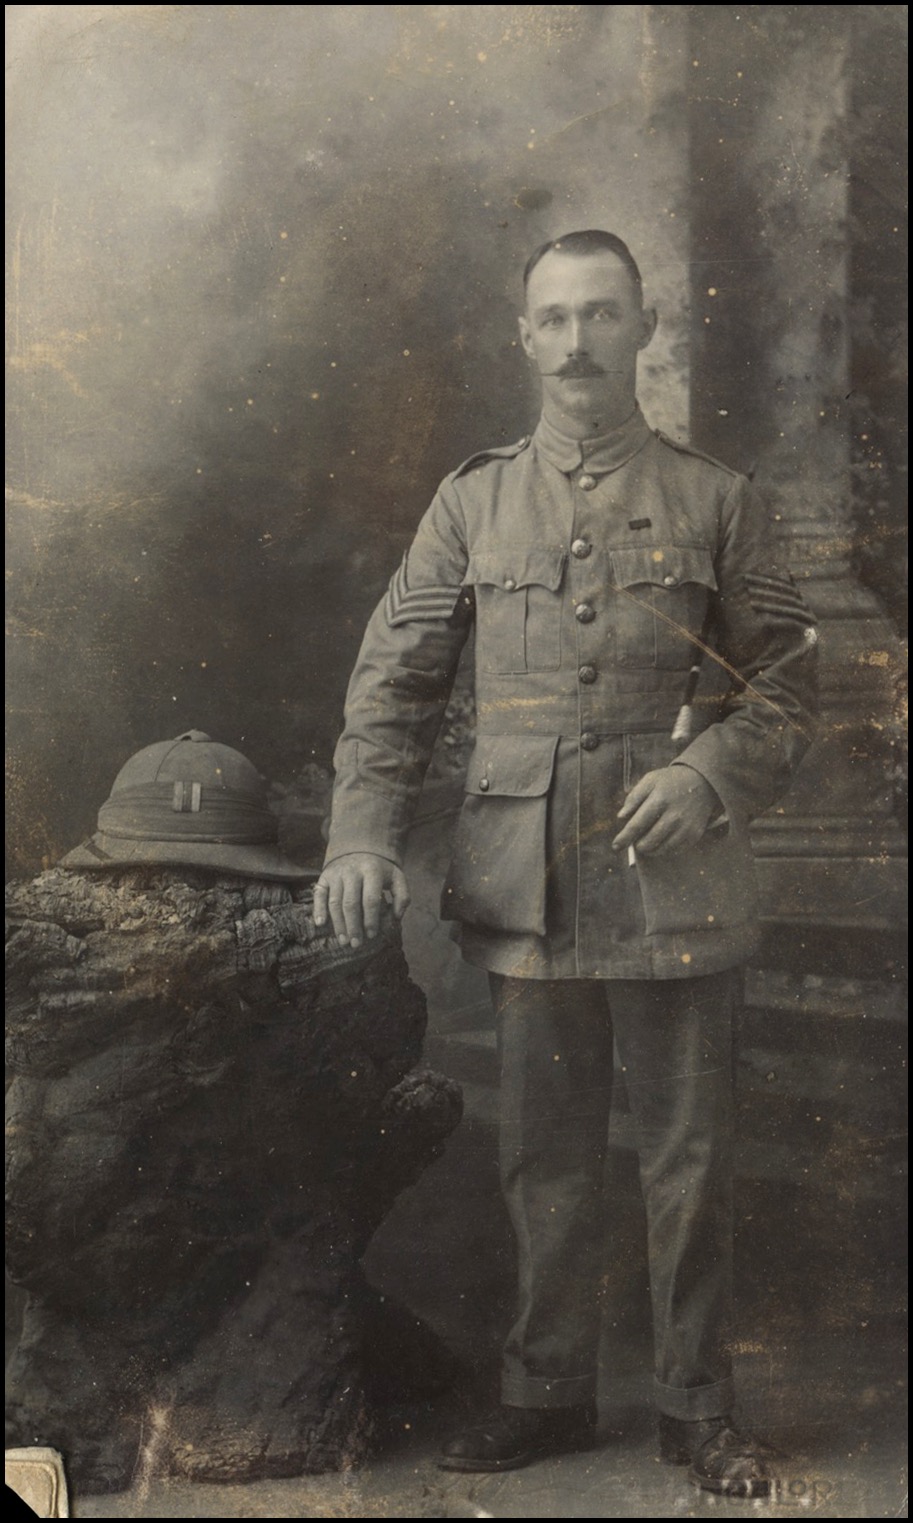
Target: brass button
point(584, 614)
point(587, 674)
point(589, 741)
point(586, 482)
point(509, 583)
point(581, 548)
point(670, 580)
point(484, 785)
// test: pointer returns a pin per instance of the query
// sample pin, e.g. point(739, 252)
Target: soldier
point(601, 869)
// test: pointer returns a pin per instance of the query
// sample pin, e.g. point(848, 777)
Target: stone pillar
point(771, 345)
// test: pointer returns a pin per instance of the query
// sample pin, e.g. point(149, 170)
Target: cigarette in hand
point(632, 859)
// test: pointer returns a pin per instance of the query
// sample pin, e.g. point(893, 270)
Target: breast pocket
point(518, 607)
point(662, 593)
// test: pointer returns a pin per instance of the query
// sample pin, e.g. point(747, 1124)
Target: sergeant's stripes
point(404, 603)
point(777, 597)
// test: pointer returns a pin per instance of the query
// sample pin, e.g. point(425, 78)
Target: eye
point(554, 320)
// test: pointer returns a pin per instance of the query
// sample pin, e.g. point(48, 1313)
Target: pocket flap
point(511, 766)
point(513, 566)
point(663, 565)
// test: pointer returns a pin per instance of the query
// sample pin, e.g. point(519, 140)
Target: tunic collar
point(604, 452)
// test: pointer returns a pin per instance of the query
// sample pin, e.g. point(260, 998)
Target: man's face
point(583, 328)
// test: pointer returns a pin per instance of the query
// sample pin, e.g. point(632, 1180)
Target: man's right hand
point(354, 887)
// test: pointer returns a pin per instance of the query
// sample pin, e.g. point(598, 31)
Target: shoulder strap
point(497, 452)
point(689, 449)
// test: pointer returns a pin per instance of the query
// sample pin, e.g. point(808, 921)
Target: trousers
point(675, 1044)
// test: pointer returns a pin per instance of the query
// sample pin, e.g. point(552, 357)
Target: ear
point(649, 327)
point(526, 338)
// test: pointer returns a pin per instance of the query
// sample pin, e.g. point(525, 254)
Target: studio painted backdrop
point(263, 280)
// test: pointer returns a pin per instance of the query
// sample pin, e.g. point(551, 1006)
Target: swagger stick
point(683, 729)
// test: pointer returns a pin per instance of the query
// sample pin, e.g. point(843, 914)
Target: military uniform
point(593, 571)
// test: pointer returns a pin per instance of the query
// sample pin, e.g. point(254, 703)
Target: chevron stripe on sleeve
point(404, 603)
point(777, 596)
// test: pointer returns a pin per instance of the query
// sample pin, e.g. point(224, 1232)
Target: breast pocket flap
point(663, 566)
point(513, 567)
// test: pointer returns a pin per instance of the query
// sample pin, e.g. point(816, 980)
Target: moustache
point(575, 370)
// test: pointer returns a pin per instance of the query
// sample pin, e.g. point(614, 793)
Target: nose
point(576, 337)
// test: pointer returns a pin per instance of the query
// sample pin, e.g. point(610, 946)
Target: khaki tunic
point(594, 571)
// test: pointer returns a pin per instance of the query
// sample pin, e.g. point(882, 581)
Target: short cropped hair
point(591, 240)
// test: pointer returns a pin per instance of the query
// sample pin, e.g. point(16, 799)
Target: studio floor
point(840, 1425)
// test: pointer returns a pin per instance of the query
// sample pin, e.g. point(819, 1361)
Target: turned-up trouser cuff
point(674, 1040)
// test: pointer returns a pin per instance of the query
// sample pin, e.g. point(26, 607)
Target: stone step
point(861, 947)
point(864, 1172)
point(821, 1065)
point(782, 1091)
point(810, 1036)
point(825, 995)
point(863, 1041)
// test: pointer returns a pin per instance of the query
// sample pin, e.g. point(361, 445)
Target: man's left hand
point(667, 809)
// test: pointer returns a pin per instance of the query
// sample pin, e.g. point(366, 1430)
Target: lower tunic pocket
point(497, 876)
point(706, 887)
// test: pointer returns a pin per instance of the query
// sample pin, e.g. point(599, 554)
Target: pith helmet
point(188, 802)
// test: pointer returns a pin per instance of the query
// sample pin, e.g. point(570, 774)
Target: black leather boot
point(721, 1459)
point(515, 1436)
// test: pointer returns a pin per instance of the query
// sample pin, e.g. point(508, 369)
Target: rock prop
point(211, 1112)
